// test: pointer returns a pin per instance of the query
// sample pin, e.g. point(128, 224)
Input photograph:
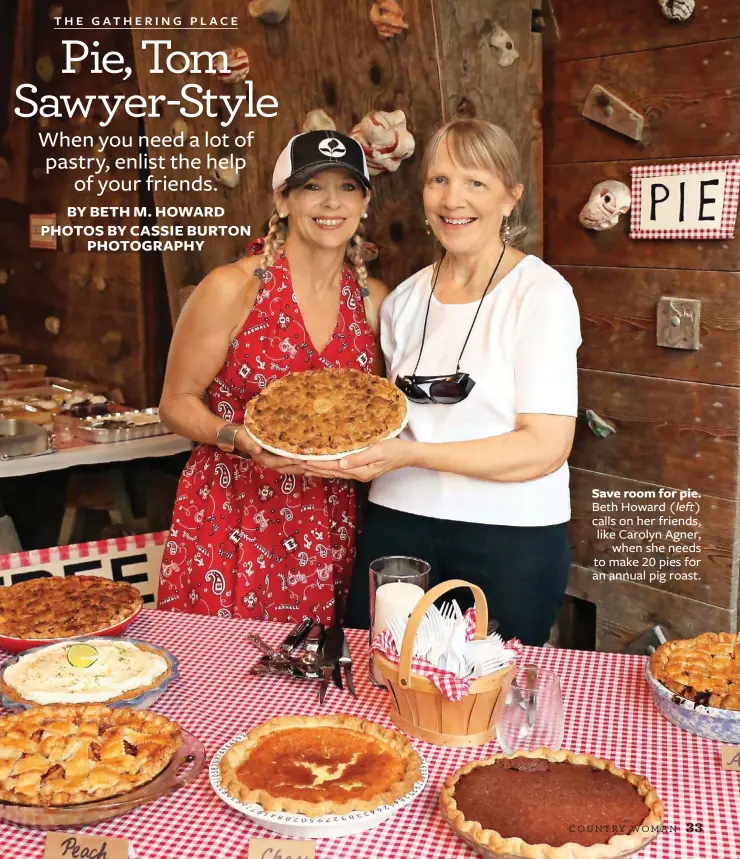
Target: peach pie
point(65, 755)
point(321, 412)
point(316, 765)
point(705, 669)
point(65, 606)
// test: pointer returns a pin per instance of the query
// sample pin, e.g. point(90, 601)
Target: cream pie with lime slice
point(102, 672)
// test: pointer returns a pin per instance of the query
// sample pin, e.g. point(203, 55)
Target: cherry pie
point(66, 755)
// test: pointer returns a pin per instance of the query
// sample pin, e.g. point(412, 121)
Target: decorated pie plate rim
point(326, 457)
point(678, 700)
point(17, 645)
point(150, 695)
point(258, 813)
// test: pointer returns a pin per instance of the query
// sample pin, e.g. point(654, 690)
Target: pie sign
point(276, 848)
point(73, 846)
point(695, 200)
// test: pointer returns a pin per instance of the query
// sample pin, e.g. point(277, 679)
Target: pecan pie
point(65, 755)
point(705, 669)
point(316, 765)
point(551, 805)
point(321, 412)
point(65, 606)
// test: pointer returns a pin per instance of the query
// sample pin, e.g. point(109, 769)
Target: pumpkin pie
point(704, 669)
point(65, 606)
point(316, 765)
point(551, 805)
point(66, 755)
point(321, 412)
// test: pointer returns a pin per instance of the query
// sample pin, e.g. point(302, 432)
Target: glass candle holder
point(397, 584)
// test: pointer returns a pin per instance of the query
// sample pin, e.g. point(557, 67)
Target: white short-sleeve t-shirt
point(522, 357)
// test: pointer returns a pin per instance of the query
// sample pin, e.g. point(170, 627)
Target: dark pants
point(523, 571)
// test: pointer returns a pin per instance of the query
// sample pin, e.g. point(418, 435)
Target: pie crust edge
point(618, 845)
point(11, 693)
point(260, 434)
point(238, 753)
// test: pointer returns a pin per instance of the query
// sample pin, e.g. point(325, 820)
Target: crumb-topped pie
point(321, 412)
point(704, 670)
point(316, 765)
point(66, 755)
point(65, 606)
point(551, 805)
point(117, 669)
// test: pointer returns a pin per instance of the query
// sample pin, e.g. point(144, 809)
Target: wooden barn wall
point(328, 55)
point(109, 305)
point(676, 413)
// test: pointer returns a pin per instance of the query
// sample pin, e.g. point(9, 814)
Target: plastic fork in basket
point(397, 627)
point(489, 666)
point(440, 631)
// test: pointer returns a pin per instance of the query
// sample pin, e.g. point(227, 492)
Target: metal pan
point(21, 438)
point(105, 431)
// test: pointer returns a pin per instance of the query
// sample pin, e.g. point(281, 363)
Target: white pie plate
point(300, 826)
point(325, 456)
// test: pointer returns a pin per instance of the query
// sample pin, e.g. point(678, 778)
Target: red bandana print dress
point(247, 541)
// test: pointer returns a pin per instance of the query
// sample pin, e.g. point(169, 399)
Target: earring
point(364, 216)
point(506, 231)
point(427, 228)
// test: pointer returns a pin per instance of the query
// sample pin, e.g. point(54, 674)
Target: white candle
point(393, 599)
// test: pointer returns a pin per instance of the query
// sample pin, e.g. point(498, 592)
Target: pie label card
point(68, 845)
point(40, 232)
point(731, 758)
point(277, 848)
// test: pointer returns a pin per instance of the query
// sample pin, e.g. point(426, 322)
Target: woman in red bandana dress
point(252, 534)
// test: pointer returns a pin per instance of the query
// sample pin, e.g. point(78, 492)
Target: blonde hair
point(275, 239)
point(480, 145)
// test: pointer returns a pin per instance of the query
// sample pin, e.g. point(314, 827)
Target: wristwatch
point(226, 437)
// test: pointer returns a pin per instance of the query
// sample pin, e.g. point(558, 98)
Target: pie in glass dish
point(67, 755)
point(551, 805)
point(318, 765)
point(324, 412)
point(704, 670)
point(65, 606)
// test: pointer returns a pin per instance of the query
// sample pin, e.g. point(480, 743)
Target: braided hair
point(354, 256)
point(274, 241)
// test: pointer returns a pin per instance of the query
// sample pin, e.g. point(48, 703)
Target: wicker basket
point(420, 709)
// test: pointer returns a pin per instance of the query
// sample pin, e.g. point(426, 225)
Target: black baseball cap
point(312, 151)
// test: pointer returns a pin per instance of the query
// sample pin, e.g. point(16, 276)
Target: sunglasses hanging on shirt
point(445, 390)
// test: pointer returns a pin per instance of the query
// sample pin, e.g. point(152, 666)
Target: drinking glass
point(397, 584)
point(532, 715)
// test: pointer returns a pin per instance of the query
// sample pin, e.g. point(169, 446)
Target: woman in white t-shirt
point(484, 344)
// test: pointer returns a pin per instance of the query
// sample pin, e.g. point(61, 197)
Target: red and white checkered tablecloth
point(608, 712)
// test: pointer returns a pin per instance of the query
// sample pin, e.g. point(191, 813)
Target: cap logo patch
point(332, 147)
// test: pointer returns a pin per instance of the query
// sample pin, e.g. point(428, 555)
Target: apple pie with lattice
point(705, 669)
point(322, 412)
point(66, 755)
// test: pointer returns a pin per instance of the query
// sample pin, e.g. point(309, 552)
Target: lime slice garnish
point(82, 655)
